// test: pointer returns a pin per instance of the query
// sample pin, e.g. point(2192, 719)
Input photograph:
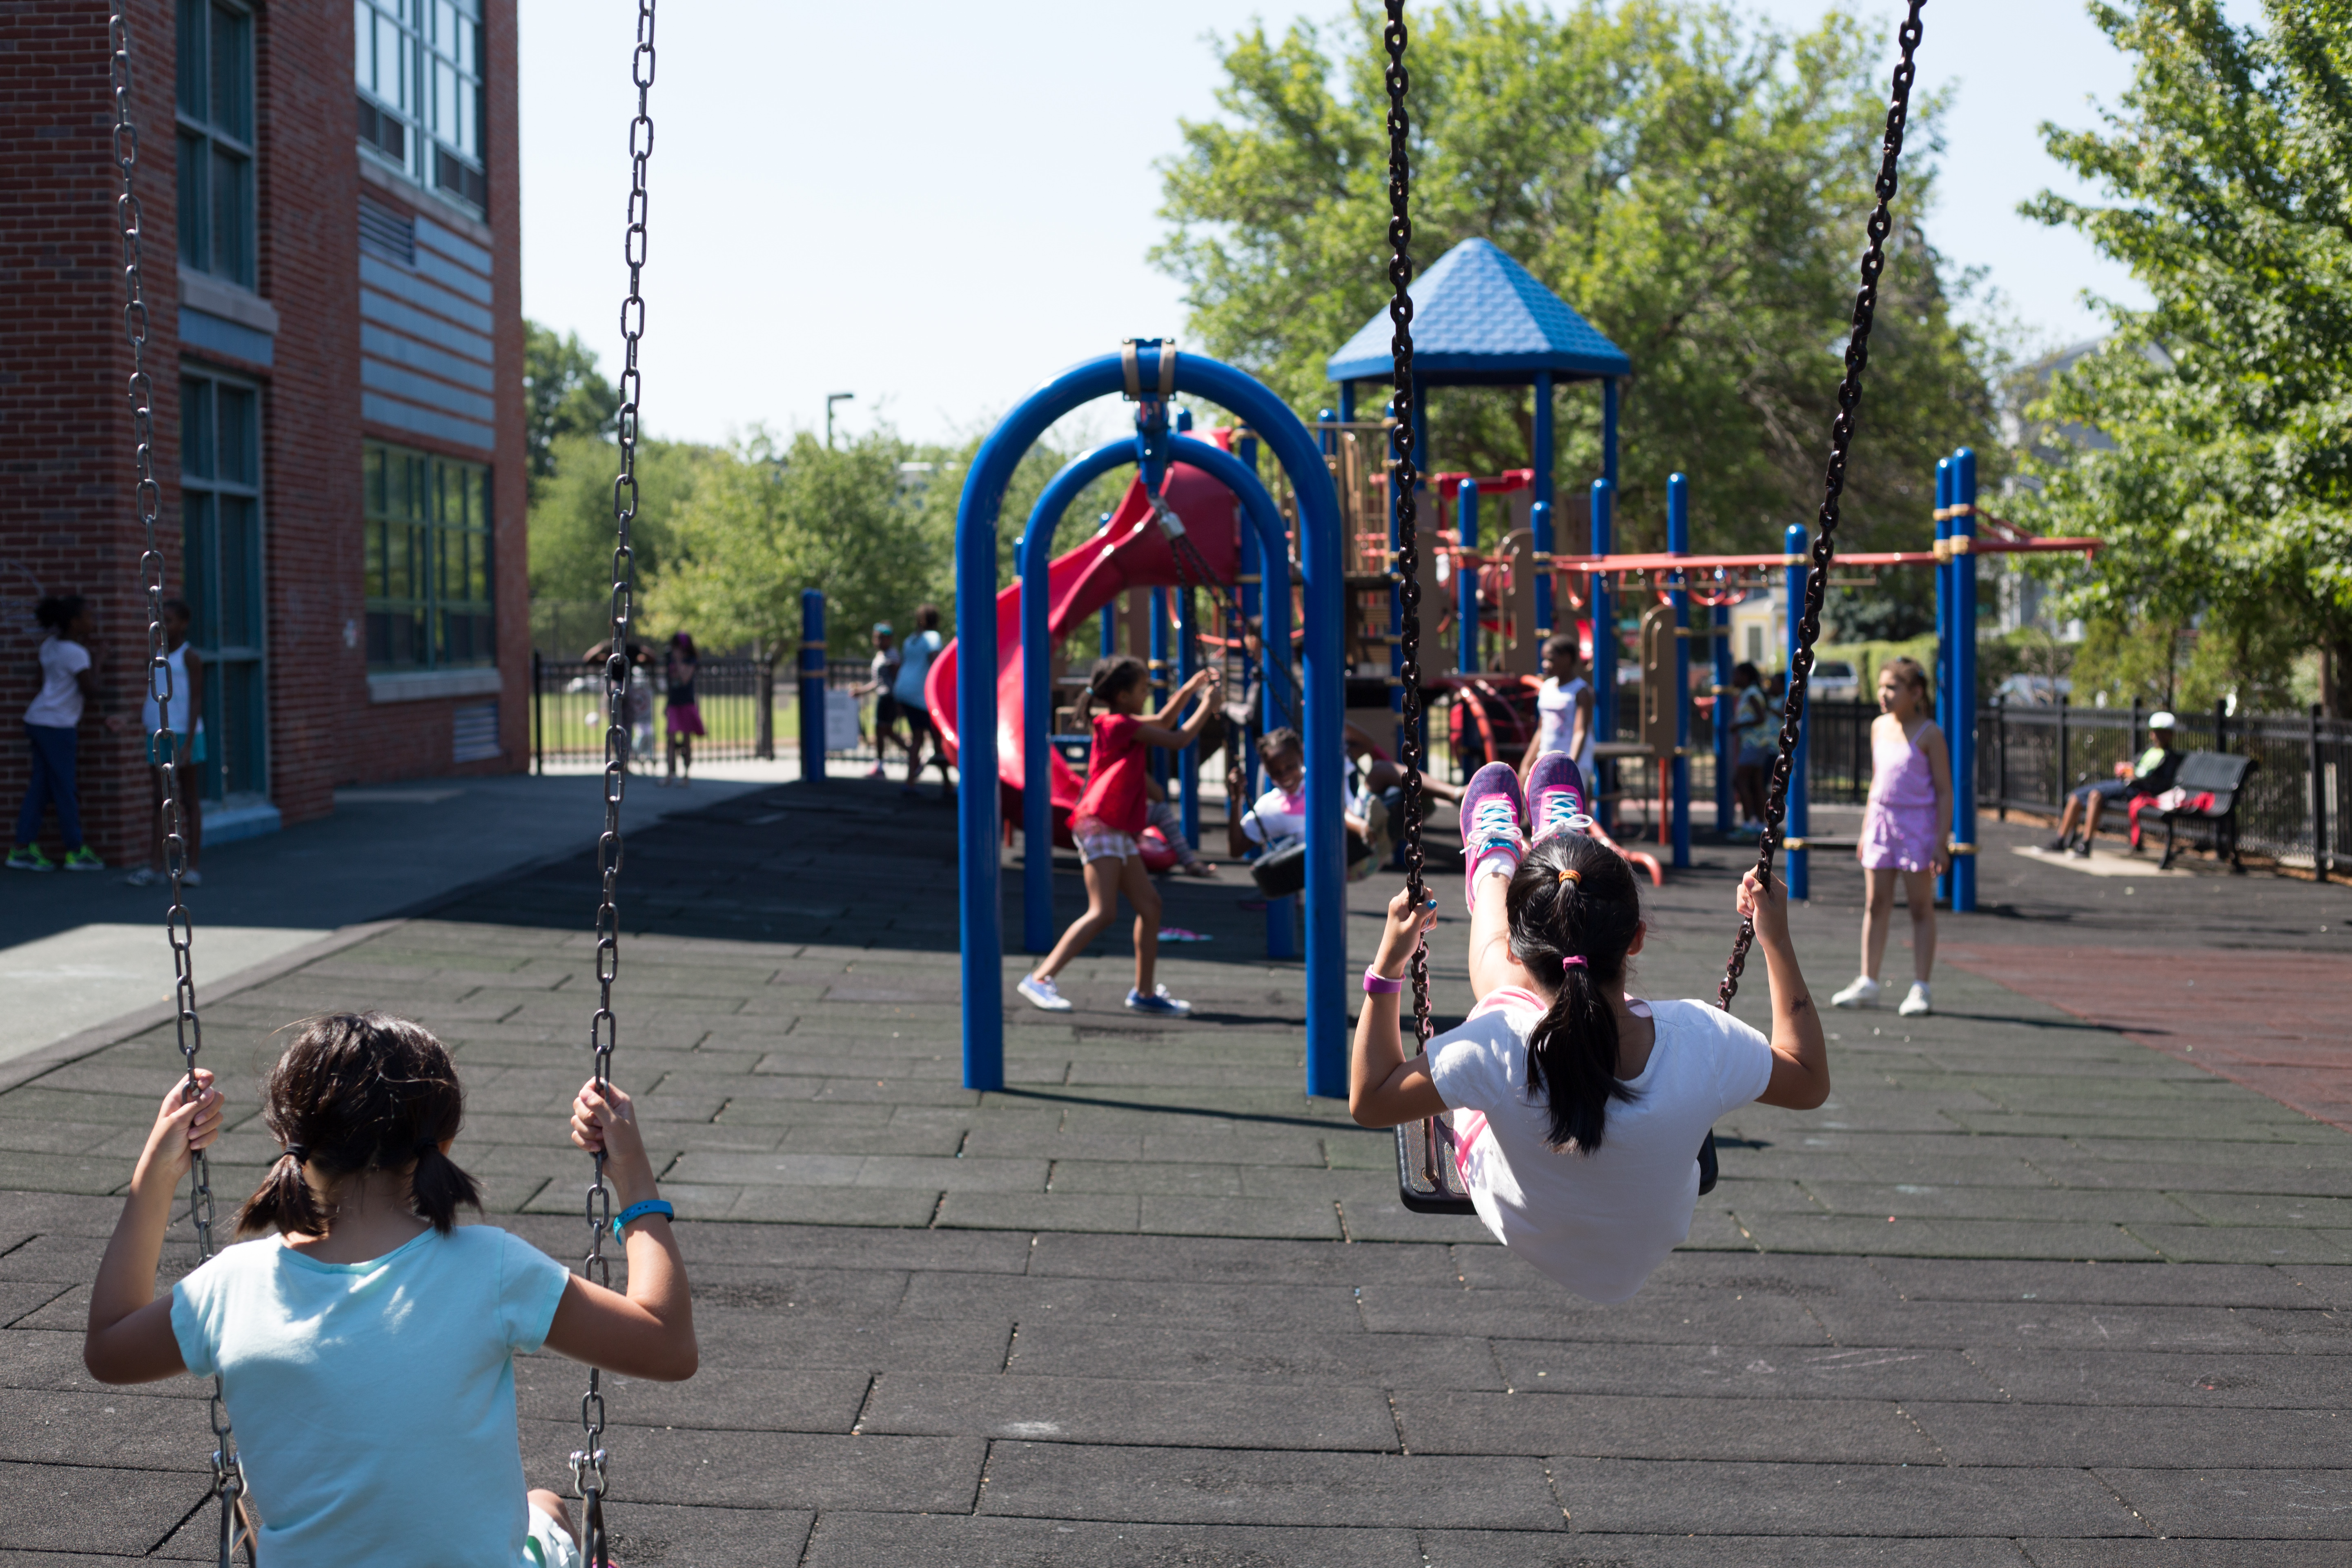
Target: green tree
point(1693, 183)
point(564, 394)
point(571, 527)
point(2226, 494)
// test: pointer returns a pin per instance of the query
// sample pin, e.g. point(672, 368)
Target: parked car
point(1834, 680)
point(2032, 690)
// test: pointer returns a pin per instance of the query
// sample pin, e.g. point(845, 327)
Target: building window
point(215, 123)
point(418, 66)
point(429, 560)
point(220, 519)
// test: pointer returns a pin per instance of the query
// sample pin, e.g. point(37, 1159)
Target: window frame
point(219, 655)
point(427, 609)
point(429, 68)
point(215, 142)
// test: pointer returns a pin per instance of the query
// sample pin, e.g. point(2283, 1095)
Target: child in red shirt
point(1109, 815)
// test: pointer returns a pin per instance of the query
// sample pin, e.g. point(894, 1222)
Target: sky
point(934, 207)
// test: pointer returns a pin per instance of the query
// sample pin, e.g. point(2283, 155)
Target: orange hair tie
point(1572, 875)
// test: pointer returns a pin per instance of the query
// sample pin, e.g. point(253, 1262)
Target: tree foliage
point(572, 513)
point(1694, 183)
point(2226, 495)
point(564, 394)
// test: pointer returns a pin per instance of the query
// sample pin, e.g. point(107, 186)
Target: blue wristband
point(639, 1211)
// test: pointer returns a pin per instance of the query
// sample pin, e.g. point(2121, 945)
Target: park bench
point(2210, 783)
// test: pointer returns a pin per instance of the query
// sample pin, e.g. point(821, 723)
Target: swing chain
point(179, 927)
point(603, 1028)
point(1824, 550)
point(1404, 479)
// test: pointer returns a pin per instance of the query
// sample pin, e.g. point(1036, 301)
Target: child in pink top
point(1905, 828)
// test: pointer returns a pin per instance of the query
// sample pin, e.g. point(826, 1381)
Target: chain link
point(1405, 479)
point(1849, 396)
point(588, 1474)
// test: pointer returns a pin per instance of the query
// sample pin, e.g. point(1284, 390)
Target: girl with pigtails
point(1577, 1111)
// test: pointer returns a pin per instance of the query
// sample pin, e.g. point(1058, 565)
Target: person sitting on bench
point(2152, 774)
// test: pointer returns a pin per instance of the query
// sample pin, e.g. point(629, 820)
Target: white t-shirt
point(150, 713)
point(1596, 1223)
point(374, 1402)
point(1556, 721)
point(1277, 816)
point(914, 665)
point(58, 706)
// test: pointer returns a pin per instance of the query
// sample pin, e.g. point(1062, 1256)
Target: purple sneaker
point(1493, 813)
point(1556, 798)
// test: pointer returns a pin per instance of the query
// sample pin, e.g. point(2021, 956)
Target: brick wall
point(66, 522)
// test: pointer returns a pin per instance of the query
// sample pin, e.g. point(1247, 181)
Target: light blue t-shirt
point(914, 665)
point(374, 1402)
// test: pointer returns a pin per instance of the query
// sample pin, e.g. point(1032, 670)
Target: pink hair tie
point(1574, 960)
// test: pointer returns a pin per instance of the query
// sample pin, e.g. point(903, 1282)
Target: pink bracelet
point(1379, 985)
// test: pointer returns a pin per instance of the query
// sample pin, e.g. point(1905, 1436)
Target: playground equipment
point(1149, 373)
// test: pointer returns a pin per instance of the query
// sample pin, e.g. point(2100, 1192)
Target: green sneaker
point(84, 859)
point(28, 857)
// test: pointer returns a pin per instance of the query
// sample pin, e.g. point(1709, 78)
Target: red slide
point(1130, 551)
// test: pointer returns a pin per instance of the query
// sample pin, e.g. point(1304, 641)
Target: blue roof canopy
point(1479, 316)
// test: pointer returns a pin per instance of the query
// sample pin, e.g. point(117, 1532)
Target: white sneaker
point(1044, 994)
point(1863, 993)
point(192, 877)
point(145, 877)
point(1916, 1004)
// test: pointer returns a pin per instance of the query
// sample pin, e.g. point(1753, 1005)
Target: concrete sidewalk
point(2024, 1292)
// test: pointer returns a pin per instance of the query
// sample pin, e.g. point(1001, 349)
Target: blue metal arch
point(1032, 557)
point(978, 812)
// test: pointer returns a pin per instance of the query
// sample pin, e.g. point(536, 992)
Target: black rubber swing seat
point(1430, 1182)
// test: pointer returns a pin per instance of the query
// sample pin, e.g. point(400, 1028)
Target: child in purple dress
point(1906, 828)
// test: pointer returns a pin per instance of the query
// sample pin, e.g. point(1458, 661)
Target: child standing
point(1109, 815)
point(682, 718)
point(1753, 754)
point(365, 1346)
point(52, 725)
point(1577, 1111)
point(1906, 827)
point(1563, 709)
point(186, 714)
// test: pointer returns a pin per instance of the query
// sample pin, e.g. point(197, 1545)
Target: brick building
point(335, 338)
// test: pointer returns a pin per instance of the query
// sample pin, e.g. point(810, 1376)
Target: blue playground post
point(1721, 643)
point(978, 812)
point(1465, 580)
point(1539, 502)
point(1962, 736)
point(1946, 492)
point(1678, 544)
point(1795, 821)
point(1604, 654)
point(812, 672)
point(1032, 557)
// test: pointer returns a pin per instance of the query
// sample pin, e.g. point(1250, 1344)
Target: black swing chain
point(229, 1476)
point(1404, 479)
point(1849, 396)
point(588, 1464)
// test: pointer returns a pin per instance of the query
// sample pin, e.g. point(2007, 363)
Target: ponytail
point(1108, 677)
point(1574, 910)
point(358, 1092)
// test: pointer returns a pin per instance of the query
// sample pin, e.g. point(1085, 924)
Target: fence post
point(539, 743)
point(811, 662)
point(2318, 802)
point(2001, 755)
point(2059, 803)
point(2222, 725)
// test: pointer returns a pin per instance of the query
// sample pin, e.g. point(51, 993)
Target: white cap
point(2162, 720)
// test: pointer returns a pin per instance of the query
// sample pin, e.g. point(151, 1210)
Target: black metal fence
point(567, 712)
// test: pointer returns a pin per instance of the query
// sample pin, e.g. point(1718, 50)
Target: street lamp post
point(832, 398)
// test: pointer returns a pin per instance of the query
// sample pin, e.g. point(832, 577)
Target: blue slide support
point(1465, 579)
point(1797, 818)
point(1962, 736)
point(980, 862)
point(811, 673)
point(1946, 486)
point(1678, 544)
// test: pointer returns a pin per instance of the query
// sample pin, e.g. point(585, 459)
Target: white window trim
point(426, 685)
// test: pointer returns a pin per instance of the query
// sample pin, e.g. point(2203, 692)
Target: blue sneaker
point(1158, 1002)
point(1556, 797)
point(1494, 815)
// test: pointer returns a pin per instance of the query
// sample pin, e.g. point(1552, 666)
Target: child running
point(1109, 815)
point(366, 1345)
point(1906, 826)
point(1577, 1111)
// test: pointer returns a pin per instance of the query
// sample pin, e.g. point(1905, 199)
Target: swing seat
point(1420, 1195)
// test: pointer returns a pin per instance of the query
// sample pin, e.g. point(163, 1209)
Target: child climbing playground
point(1906, 827)
point(365, 1344)
point(1577, 1110)
point(1107, 817)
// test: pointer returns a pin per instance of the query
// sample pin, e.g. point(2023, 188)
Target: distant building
point(335, 341)
point(2020, 597)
